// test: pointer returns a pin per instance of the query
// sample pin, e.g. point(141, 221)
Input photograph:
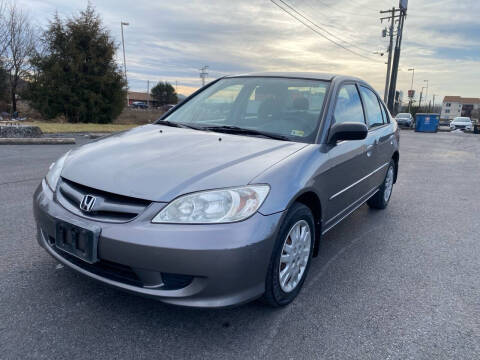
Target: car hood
point(159, 163)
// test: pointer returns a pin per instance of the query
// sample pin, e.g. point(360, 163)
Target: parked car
point(404, 119)
point(226, 198)
point(139, 105)
point(461, 122)
point(168, 107)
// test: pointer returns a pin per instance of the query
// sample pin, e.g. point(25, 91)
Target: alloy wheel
point(388, 184)
point(295, 255)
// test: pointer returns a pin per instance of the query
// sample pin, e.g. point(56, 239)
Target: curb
point(97, 135)
point(36, 141)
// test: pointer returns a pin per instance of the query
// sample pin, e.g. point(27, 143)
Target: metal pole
point(390, 49)
point(124, 62)
point(411, 88)
point(426, 93)
point(148, 93)
point(420, 101)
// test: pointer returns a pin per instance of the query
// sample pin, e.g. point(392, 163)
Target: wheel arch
point(310, 199)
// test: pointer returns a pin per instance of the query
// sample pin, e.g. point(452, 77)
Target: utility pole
point(396, 56)
point(433, 106)
point(203, 74)
point(122, 24)
point(390, 48)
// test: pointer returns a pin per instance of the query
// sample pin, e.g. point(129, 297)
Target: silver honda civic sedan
point(225, 198)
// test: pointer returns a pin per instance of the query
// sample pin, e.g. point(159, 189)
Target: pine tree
point(76, 74)
point(164, 93)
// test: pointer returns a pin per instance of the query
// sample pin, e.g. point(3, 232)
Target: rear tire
point(291, 257)
point(382, 197)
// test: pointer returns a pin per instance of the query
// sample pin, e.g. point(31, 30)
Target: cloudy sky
point(171, 40)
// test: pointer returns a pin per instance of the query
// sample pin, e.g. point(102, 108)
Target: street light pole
point(122, 24)
point(420, 101)
point(411, 88)
point(426, 94)
point(413, 74)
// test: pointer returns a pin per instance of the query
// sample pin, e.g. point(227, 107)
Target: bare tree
point(3, 28)
point(19, 49)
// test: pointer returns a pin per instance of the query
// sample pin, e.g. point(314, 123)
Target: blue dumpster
point(426, 122)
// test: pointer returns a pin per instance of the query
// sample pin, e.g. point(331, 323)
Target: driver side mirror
point(347, 131)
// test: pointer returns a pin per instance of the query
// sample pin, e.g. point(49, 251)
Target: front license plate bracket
point(77, 241)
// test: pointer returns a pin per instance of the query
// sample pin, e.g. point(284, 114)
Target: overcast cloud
point(171, 40)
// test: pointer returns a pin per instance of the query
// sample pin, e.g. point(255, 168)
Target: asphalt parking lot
point(396, 284)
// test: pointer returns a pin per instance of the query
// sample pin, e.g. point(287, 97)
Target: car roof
point(299, 75)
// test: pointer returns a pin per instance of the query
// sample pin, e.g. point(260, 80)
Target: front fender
point(291, 178)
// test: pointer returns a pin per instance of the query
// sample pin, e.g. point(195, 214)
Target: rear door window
point(348, 107)
point(372, 107)
point(386, 119)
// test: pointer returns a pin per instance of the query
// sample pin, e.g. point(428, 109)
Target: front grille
point(108, 206)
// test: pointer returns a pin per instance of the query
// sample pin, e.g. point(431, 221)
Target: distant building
point(141, 96)
point(454, 106)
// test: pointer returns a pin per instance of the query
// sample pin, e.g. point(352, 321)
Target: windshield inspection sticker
point(297, 133)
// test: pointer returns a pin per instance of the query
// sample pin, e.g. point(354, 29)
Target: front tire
point(382, 197)
point(291, 257)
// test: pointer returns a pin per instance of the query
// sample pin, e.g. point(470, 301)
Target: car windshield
point(462, 119)
point(283, 107)
point(403, 116)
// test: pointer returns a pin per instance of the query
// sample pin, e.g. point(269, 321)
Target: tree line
point(68, 70)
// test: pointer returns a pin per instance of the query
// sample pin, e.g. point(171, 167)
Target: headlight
point(215, 206)
point(54, 172)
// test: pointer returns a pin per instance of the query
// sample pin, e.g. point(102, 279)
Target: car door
point(346, 180)
point(379, 136)
point(387, 136)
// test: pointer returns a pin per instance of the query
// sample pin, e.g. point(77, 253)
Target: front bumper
point(461, 127)
point(407, 123)
point(227, 263)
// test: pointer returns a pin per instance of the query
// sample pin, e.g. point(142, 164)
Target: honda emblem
point(87, 203)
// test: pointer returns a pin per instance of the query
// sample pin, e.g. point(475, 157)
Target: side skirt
point(358, 203)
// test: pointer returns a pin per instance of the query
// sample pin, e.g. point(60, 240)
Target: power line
point(322, 35)
point(321, 28)
point(341, 11)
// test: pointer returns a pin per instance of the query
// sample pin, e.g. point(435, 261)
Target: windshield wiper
point(242, 131)
point(179, 125)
